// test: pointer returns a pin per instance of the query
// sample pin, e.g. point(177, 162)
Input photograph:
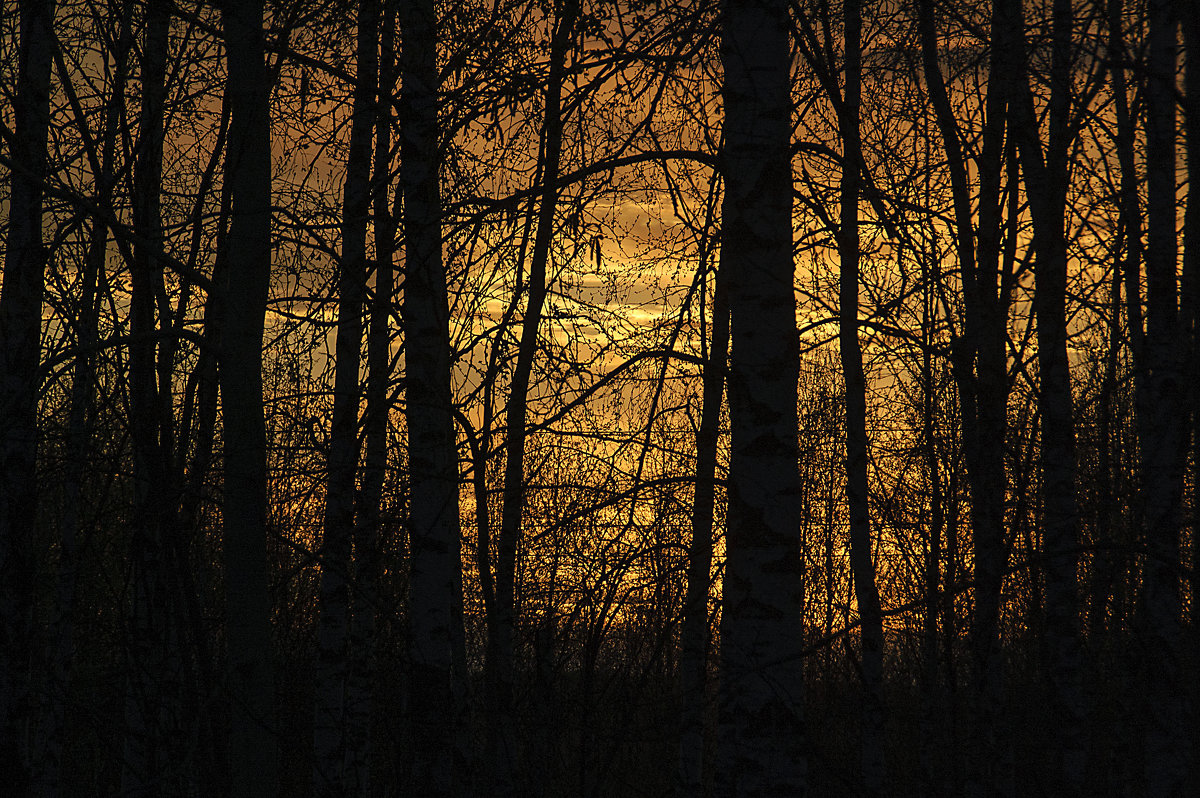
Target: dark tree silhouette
point(862, 565)
point(435, 580)
point(253, 758)
point(761, 740)
point(20, 379)
point(591, 516)
point(694, 634)
point(1164, 447)
point(337, 744)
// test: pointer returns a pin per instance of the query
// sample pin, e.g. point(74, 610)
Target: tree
point(1164, 447)
point(20, 379)
point(694, 637)
point(152, 741)
point(336, 741)
point(253, 757)
point(762, 679)
point(862, 565)
point(1046, 172)
point(500, 654)
point(435, 577)
point(978, 355)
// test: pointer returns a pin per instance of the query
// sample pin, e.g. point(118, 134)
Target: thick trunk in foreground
point(20, 330)
point(434, 586)
point(761, 742)
point(253, 757)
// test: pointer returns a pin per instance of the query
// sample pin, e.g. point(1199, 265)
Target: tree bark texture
point(434, 586)
point(762, 676)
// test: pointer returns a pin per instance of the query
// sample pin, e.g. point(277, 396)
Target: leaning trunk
point(501, 737)
point(694, 632)
point(862, 565)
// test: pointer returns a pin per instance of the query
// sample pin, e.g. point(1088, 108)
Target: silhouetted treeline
point(574, 398)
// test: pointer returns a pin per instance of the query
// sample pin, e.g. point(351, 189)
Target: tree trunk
point(20, 350)
point(980, 371)
point(762, 674)
point(152, 746)
point(368, 532)
point(253, 753)
point(1046, 181)
point(48, 770)
point(1168, 755)
point(1189, 299)
point(332, 747)
point(933, 720)
point(694, 637)
point(501, 736)
point(434, 585)
point(862, 566)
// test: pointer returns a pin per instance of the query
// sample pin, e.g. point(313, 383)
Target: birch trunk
point(762, 675)
point(253, 753)
point(434, 585)
point(333, 747)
